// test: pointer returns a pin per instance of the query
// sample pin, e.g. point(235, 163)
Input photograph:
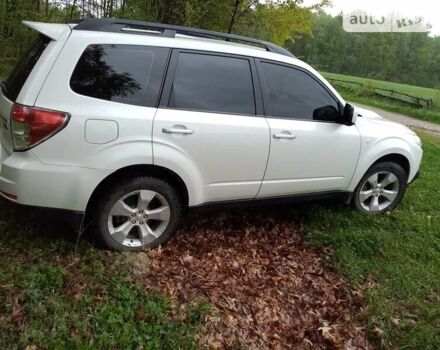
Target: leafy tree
point(311, 34)
point(400, 57)
point(276, 21)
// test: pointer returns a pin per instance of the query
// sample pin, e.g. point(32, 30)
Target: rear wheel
point(381, 189)
point(143, 212)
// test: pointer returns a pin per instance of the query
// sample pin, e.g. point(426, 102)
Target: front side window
point(212, 83)
point(293, 94)
point(120, 73)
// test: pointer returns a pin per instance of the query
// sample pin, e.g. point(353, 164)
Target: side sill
point(342, 195)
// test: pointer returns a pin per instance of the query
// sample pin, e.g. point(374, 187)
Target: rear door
point(208, 125)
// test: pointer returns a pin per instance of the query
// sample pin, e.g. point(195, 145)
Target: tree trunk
point(174, 12)
point(110, 10)
point(234, 15)
point(10, 10)
point(72, 9)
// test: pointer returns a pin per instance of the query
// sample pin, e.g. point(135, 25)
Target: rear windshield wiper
point(3, 86)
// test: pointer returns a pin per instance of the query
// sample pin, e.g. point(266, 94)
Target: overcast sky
point(428, 9)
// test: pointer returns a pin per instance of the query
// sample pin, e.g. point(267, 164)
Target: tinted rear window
point(23, 68)
point(121, 73)
point(213, 83)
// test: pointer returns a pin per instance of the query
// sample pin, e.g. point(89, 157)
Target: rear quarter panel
point(69, 147)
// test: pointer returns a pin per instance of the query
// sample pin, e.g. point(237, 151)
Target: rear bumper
point(26, 180)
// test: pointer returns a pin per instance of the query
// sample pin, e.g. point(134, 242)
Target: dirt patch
point(268, 287)
point(137, 263)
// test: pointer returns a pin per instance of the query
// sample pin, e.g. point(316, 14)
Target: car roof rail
point(115, 25)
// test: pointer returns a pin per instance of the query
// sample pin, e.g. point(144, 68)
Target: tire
point(143, 212)
point(381, 189)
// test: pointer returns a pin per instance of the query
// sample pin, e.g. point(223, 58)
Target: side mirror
point(348, 115)
point(326, 113)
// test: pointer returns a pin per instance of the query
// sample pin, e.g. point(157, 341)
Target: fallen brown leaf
point(268, 286)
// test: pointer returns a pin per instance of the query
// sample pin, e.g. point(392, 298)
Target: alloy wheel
point(138, 218)
point(379, 191)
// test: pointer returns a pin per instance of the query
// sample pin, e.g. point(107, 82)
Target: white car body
point(223, 159)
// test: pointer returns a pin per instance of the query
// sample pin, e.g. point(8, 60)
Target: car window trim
point(259, 61)
point(171, 71)
point(164, 76)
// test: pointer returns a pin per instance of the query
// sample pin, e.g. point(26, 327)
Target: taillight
point(31, 126)
point(10, 196)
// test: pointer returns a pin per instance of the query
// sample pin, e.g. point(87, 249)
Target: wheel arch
point(397, 154)
point(138, 170)
point(375, 192)
point(397, 158)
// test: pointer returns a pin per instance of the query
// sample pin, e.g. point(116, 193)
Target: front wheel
point(381, 189)
point(143, 212)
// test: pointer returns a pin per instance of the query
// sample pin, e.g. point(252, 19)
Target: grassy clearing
point(395, 257)
point(53, 295)
point(429, 114)
point(56, 297)
point(404, 88)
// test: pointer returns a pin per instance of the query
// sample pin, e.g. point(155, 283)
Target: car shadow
point(31, 226)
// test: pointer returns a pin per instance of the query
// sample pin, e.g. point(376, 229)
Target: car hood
point(377, 120)
point(367, 113)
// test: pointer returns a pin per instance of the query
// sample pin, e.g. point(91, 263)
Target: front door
point(310, 150)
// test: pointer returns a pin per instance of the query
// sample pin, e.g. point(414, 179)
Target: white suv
point(130, 123)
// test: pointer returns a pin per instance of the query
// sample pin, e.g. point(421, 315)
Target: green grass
point(362, 96)
point(70, 298)
point(404, 88)
point(80, 297)
point(396, 258)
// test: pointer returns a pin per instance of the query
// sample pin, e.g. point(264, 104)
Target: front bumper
point(414, 178)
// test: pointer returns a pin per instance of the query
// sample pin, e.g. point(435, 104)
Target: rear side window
point(212, 83)
point(121, 73)
point(293, 94)
point(23, 68)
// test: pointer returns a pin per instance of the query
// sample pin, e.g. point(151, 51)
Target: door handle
point(284, 136)
point(177, 131)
